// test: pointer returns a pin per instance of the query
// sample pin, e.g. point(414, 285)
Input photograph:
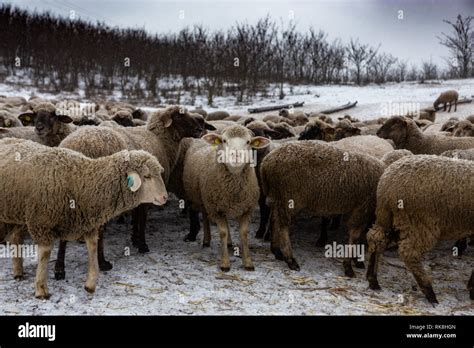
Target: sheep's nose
point(164, 198)
point(39, 127)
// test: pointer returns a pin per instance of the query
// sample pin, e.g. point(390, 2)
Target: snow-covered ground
point(179, 277)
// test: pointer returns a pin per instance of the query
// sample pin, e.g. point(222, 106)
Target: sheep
point(274, 119)
point(460, 154)
point(123, 118)
point(449, 124)
point(444, 98)
point(200, 111)
point(367, 144)
point(302, 175)
point(415, 211)
point(470, 118)
point(463, 129)
point(161, 137)
point(295, 118)
point(7, 120)
point(427, 114)
point(76, 196)
point(317, 129)
point(406, 135)
point(322, 117)
point(260, 128)
point(349, 118)
point(345, 129)
point(90, 141)
point(217, 115)
point(49, 128)
point(15, 101)
point(224, 187)
point(422, 124)
point(139, 114)
point(283, 130)
point(221, 125)
point(395, 155)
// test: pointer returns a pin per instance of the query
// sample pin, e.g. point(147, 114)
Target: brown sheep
point(463, 129)
point(406, 135)
point(448, 97)
point(217, 115)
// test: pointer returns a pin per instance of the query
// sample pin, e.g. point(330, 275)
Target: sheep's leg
point(229, 238)
point(59, 267)
point(16, 239)
point(275, 243)
point(41, 282)
point(264, 215)
point(414, 265)
point(470, 286)
point(286, 249)
point(139, 224)
point(455, 106)
point(194, 226)
point(207, 230)
point(461, 246)
point(104, 265)
point(377, 243)
point(354, 234)
point(445, 106)
point(243, 230)
point(93, 265)
point(450, 104)
point(323, 235)
point(224, 234)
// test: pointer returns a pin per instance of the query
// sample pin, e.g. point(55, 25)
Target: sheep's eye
point(224, 141)
point(248, 141)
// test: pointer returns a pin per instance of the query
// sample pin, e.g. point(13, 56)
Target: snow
point(178, 277)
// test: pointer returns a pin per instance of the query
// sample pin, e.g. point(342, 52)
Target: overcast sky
point(373, 21)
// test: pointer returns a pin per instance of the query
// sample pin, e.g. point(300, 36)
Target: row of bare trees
point(63, 54)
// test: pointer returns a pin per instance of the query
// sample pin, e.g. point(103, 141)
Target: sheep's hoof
point(59, 275)
point(105, 266)
point(43, 296)
point(278, 254)
point(89, 289)
point(293, 265)
point(19, 277)
point(225, 268)
point(430, 295)
point(348, 271)
point(249, 268)
point(374, 284)
point(143, 249)
point(190, 238)
point(359, 264)
point(260, 233)
point(321, 242)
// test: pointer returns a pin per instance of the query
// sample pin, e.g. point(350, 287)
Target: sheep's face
point(45, 122)
point(124, 118)
point(464, 129)
point(235, 147)
point(346, 131)
point(317, 131)
point(284, 113)
point(184, 124)
point(395, 128)
point(148, 183)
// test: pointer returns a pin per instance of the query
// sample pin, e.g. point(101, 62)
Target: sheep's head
point(179, 122)
point(123, 118)
point(144, 177)
point(260, 128)
point(396, 129)
point(45, 119)
point(345, 129)
point(317, 130)
point(8, 121)
point(284, 113)
point(300, 120)
point(235, 147)
point(449, 125)
point(463, 129)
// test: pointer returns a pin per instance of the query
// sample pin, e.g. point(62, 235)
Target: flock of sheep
point(400, 181)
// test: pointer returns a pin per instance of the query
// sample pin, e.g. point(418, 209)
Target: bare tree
point(460, 43)
point(360, 56)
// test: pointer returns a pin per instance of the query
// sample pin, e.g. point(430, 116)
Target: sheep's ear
point(133, 181)
point(64, 118)
point(259, 142)
point(209, 126)
point(27, 118)
point(212, 139)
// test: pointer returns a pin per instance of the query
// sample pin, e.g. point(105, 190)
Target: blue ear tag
point(129, 181)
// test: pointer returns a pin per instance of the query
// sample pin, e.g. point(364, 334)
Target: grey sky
point(372, 21)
